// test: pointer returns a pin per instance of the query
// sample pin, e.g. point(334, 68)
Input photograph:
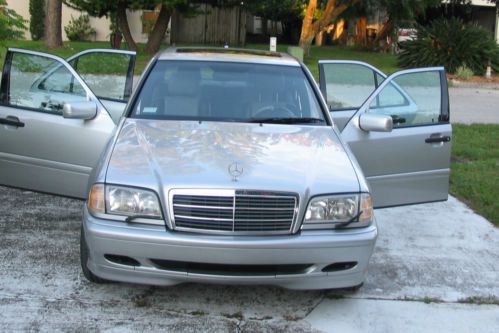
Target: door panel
point(49, 153)
point(114, 108)
point(346, 85)
point(109, 74)
point(410, 164)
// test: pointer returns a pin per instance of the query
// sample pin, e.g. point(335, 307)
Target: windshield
point(224, 91)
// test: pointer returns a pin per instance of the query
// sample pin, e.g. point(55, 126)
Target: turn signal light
point(96, 201)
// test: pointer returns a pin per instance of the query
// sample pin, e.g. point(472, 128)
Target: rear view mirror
point(375, 122)
point(80, 110)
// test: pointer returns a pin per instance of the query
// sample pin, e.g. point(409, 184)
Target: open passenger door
point(400, 134)
point(109, 74)
point(53, 127)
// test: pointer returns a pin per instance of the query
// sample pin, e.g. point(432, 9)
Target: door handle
point(437, 139)
point(11, 121)
point(398, 120)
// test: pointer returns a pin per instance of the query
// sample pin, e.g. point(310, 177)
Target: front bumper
point(145, 244)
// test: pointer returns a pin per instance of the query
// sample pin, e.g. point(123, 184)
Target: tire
point(84, 253)
point(346, 290)
point(356, 288)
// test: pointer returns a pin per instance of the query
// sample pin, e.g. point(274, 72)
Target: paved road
point(440, 253)
point(430, 264)
point(474, 105)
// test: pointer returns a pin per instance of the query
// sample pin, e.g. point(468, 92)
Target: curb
point(478, 85)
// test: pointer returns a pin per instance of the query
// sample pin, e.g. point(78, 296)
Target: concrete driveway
point(433, 263)
point(474, 104)
point(435, 268)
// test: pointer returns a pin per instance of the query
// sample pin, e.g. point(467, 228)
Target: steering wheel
point(276, 111)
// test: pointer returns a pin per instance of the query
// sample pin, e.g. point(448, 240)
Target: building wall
point(484, 3)
point(101, 25)
point(135, 24)
point(254, 25)
point(483, 15)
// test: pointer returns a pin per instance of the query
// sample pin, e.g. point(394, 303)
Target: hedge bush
point(37, 19)
point(11, 23)
point(451, 43)
point(463, 73)
point(79, 29)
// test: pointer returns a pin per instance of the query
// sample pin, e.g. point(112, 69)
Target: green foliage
point(464, 73)
point(114, 27)
point(276, 10)
point(475, 157)
point(37, 19)
point(79, 29)
point(451, 43)
point(101, 8)
point(11, 23)
point(403, 12)
point(96, 8)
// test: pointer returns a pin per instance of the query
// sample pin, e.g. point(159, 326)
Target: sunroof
point(231, 51)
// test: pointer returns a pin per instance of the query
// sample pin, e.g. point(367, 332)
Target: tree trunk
point(333, 32)
point(264, 26)
point(123, 25)
point(115, 40)
point(310, 28)
point(319, 38)
point(361, 31)
point(305, 44)
point(307, 29)
point(385, 31)
point(274, 28)
point(158, 32)
point(53, 29)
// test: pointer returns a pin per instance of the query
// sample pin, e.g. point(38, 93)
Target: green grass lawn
point(475, 165)
point(71, 48)
point(475, 168)
point(385, 62)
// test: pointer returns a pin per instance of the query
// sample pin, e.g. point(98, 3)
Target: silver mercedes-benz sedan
point(226, 165)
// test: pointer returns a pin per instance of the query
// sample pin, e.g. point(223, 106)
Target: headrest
point(184, 83)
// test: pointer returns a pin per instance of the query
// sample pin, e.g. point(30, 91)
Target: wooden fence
point(213, 25)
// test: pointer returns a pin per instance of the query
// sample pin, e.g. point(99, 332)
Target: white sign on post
point(273, 44)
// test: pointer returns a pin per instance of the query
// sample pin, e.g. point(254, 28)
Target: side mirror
point(375, 122)
point(80, 110)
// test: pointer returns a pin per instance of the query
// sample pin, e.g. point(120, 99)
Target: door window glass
point(106, 74)
point(348, 85)
point(410, 99)
point(41, 83)
point(390, 96)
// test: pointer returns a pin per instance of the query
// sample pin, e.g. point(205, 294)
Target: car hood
point(165, 154)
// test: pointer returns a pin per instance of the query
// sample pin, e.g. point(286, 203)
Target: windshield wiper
point(286, 120)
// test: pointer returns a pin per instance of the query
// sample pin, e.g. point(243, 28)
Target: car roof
point(228, 55)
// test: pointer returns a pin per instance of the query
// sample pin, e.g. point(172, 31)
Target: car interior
point(222, 91)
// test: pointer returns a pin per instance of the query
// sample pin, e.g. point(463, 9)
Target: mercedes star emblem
point(235, 170)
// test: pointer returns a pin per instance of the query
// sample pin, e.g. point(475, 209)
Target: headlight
point(126, 201)
point(335, 210)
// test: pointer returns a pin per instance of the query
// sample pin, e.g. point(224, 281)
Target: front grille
point(233, 211)
point(234, 270)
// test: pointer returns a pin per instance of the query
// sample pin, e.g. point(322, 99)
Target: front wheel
point(84, 260)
